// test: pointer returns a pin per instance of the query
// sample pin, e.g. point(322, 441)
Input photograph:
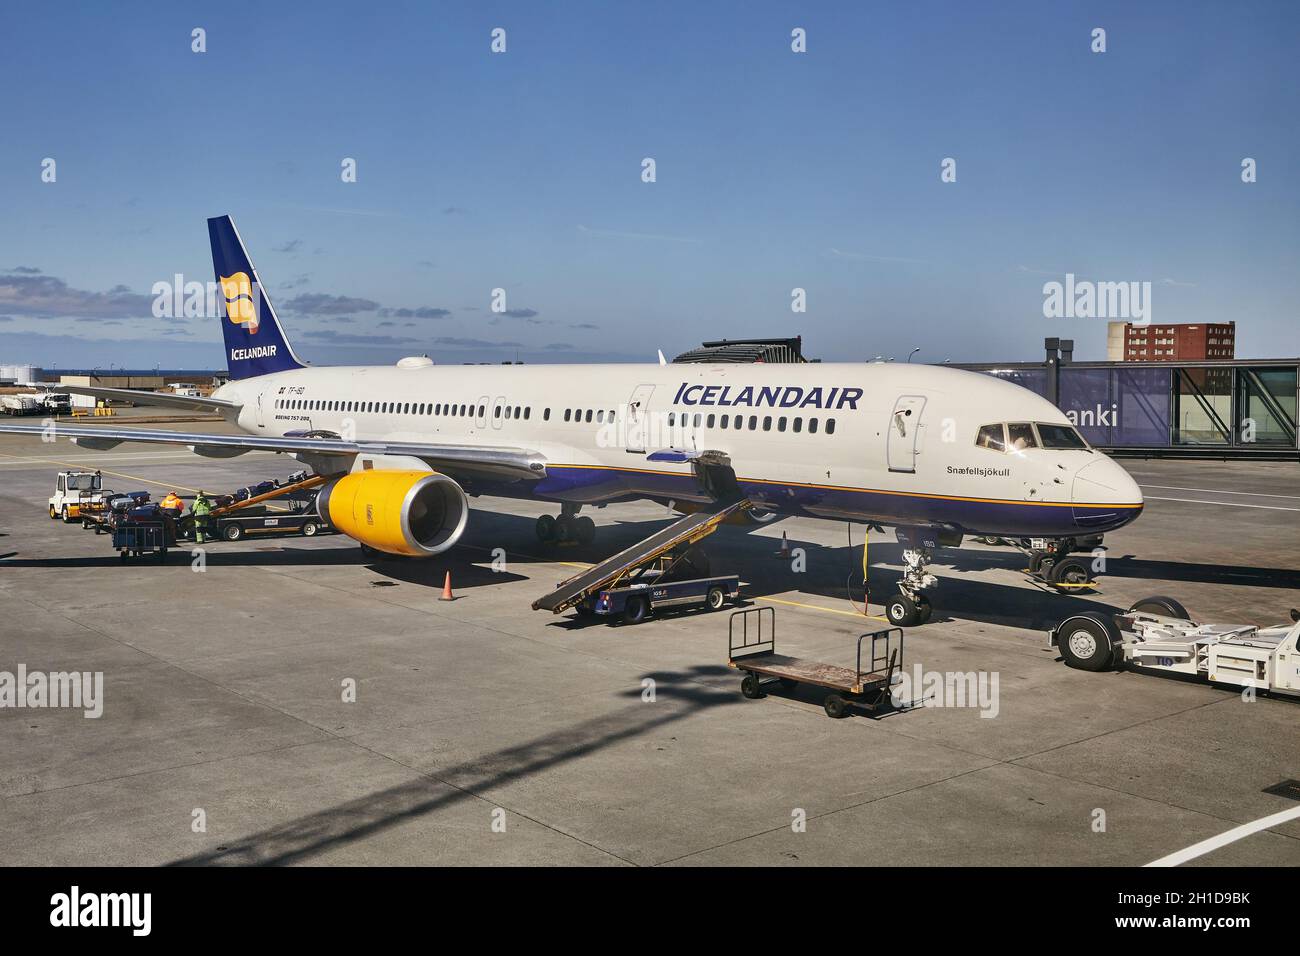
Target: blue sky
point(522, 171)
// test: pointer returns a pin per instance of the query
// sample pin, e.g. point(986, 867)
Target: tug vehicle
point(1156, 635)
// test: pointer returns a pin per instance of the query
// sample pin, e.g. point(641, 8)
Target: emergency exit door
point(904, 433)
point(638, 418)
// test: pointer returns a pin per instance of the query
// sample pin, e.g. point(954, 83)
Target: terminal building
point(1163, 405)
point(1126, 342)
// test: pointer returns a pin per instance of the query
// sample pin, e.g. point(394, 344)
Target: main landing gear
point(567, 528)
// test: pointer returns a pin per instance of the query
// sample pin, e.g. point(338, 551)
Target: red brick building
point(1158, 342)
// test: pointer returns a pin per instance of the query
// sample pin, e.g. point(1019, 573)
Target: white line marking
point(1215, 491)
point(1223, 839)
point(1225, 504)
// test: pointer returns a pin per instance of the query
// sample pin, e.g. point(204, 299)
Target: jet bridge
point(690, 529)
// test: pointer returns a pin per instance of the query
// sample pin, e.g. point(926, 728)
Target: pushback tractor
point(1156, 635)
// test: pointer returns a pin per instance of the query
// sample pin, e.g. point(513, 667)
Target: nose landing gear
point(1050, 562)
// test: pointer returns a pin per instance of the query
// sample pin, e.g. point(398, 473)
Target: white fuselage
point(894, 443)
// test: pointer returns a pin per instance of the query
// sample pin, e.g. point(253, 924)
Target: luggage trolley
point(764, 666)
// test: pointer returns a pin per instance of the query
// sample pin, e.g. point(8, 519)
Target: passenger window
point(830, 426)
point(711, 419)
point(767, 423)
point(780, 424)
point(482, 410)
point(812, 426)
point(798, 425)
point(992, 437)
point(672, 419)
point(1020, 435)
point(600, 417)
point(723, 423)
point(753, 423)
point(699, 419)
point(516, 411)
point(568, 413)
point(589, 414)
point(546, 415)
point(528, 410)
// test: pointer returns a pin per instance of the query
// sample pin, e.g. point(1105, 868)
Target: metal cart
point(756, 655)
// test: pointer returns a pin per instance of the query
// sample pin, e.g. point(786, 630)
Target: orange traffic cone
point(446, 589)
point(785, 547)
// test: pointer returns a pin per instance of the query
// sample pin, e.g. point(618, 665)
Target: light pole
point(913, 352)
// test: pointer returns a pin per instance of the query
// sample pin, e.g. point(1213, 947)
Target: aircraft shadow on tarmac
point(298, 840)
point(832, 572)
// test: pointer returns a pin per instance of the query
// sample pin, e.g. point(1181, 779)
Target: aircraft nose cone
point(1105, 496)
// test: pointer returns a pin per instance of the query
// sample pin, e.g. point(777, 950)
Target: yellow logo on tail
point(240, 305)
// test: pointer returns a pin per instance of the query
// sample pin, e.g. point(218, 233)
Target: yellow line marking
point(818, 607)
point(116, 474)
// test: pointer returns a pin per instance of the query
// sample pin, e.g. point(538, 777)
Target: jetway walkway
point(690, 529)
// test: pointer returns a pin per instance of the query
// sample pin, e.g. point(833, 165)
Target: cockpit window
point(992, 436)
point(1020, 435)
point(1060, 436)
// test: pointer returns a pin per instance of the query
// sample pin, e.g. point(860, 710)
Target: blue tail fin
point(255, 343)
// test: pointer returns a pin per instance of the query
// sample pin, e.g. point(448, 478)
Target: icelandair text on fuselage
point(259, 351)
point(790, 396)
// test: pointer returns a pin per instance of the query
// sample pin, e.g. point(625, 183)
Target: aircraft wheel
point(923, 609)
point(835, 706)
point(1069, 571)
point(584, 530)
point(750, 688)
point(545, 528)
point(1087, 641)
point(564, 528)
point(901, 611)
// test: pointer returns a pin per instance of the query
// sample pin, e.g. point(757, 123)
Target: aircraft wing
point(163, 399)
point(500, 461)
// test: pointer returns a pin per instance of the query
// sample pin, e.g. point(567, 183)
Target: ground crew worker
point(200, 510)
point(173, 502)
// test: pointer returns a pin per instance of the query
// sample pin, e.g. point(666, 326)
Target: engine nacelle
point(413, 513)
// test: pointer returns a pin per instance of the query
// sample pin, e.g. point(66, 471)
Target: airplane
point(932, 451)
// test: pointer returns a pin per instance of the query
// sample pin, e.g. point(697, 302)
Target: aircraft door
point(638, 418)
point(481, 411)
point(904, 433)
